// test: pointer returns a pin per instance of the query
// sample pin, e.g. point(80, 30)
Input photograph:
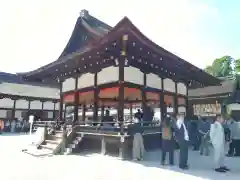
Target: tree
point(237, 65)
point(209, 70)
point(221, 67)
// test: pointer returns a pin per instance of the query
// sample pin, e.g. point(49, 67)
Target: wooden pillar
point(131, 112)
point(102, 112)
point(76, 102)
point(187, 104)
point(121, 94)
point(162, 106)
point(60, 104)
point(143, 90)
point(29, 107)
point(83, 112)
point(176, 99)
point(13, 109)
point(42, 104)
point(54, 109)
point(96, 99)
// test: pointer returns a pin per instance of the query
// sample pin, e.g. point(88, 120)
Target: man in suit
point(217, 138)
point(182, 138)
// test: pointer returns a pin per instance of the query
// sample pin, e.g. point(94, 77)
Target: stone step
point(59, 135)
point(71, 146)
point(48, 146)
point(58, 131)
point(68, 151)
point(52, 141)
point(38, 152)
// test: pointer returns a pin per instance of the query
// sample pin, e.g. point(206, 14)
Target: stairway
point(71, 147)
point(52, 142)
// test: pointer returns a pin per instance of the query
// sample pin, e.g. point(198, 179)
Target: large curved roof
point(90, 33)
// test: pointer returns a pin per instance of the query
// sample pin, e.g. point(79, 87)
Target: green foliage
point(221, 67)
point(237, 65)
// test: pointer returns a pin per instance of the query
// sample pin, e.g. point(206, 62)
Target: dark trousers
point(236, 146)
point(231, 150)
point(183, 155)
point(170, 155)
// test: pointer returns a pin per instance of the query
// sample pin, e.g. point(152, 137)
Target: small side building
point(212, 100)
point(19, 99)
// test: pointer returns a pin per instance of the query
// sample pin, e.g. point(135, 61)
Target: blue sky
point(34, 32)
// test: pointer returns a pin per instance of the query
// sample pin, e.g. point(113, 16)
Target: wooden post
point(176, 99)
point(162, 106)
point(96, 99)
point(54, 109)
point(121, 94)
point(83, 112)
point(14, 108)
point(131, 112)
point(187, 104)
point(76, 102)
point(29, 108)
point(60, 104)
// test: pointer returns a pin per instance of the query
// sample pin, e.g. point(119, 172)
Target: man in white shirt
point(217, 138)
point(183, 141)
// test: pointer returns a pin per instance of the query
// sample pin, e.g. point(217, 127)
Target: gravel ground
point(20, 166)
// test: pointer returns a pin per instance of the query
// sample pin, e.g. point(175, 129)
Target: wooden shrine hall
point(119, 67)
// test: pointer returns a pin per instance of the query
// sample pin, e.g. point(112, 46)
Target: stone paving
point(20, 166)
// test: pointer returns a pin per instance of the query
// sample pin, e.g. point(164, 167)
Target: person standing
point(182, 138)
point(13, 126)
point(138, 145)
point(217, 138)
point(64, 140)
point(235, 138)
point(168, 143)
point(204, 128)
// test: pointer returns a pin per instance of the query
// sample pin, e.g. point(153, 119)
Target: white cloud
point(35, 32)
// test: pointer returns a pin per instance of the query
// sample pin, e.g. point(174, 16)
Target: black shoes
point(184, 167)
point(223, 169)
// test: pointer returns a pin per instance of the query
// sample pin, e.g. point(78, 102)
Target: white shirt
point(217, 135)
point(179, 124)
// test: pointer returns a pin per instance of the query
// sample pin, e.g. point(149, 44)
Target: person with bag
point(182, 138)
point(168, 143)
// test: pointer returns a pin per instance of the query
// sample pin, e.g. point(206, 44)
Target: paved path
point(20, 166)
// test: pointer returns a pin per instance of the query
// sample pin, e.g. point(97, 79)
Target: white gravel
point(16, 165)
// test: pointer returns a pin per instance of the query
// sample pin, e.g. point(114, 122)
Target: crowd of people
point(200, 133)
point(14, 126)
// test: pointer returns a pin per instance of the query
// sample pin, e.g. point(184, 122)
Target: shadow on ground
point(199, 166)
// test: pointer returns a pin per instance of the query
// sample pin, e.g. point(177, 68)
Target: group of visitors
point(177, 132)
point(13, 126)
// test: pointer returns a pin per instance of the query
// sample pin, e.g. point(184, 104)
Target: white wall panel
point(86, 80)
point(108, 75)
point(182, 109)
point(48, 105)
point(57, 106)
point(233, 107)
point(169, 85)
point(36, 105)
point(22, 104)
point(6, 103)
point(3, 113)
point(181, 89)
point(154, 81)
point(50, 114)
point(68, 85)
point(18, 114)
point(133, 75)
